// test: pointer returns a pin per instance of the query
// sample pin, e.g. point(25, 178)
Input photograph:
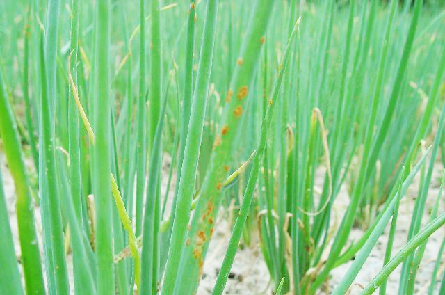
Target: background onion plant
point(272, 109)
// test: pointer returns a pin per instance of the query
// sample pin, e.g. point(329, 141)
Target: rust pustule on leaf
point(263, 39)
point(208, 211)
point(210, 207)
point(242, 92)
point(238, 111)
point(197, 252)
point(229, 95)
point(200, 238)
point(218, 141)
point(239, 61)
point(224, 130)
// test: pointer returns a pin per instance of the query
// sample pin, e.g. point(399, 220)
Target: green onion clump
point(131, 128)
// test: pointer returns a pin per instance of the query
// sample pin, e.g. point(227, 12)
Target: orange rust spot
point(187, 242)
point(219, 186)
point(229, 95)
point(211, 230)
point(151, 46)
point(238, 111)
point(226, 168)
point(239, 61)
point(270, 102)
point(210, 206)
point(200, 238)
point(200, 263)
point(210, 220)
point(197, 252)
point(224, 130)
point(242, 92)
point(208, 211)
point(192, 5)
point(263, 39)
point(201, 234)
point(218, 141)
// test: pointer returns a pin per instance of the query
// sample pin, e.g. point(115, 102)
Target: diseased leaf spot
point(197, 252)
point(239, 61)
point(224, 130)
point(238, 111)
point(200, 238)
point(217, 142)
point(229, 95)
point(210, 207)
point(242, 92)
